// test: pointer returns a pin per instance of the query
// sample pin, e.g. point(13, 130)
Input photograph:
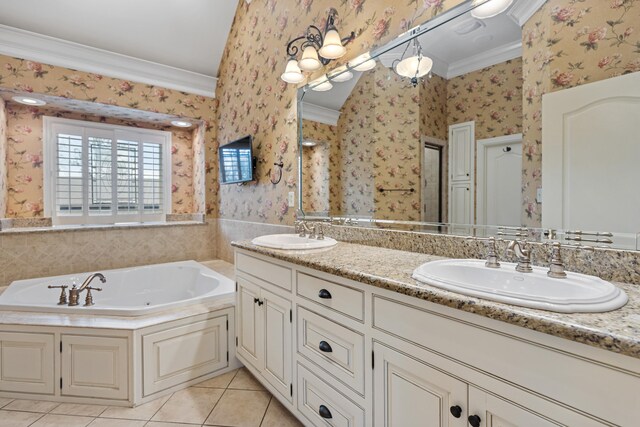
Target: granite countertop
point(617, 331)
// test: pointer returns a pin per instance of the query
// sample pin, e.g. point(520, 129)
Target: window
point(104, 174)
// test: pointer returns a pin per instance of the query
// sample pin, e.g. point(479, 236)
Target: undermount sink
point(577, 293)
point(293, 242)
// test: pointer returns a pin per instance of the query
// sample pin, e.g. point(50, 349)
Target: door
point(95, 367)
point(461, 141)
point(500, 181)
point(26, 362)
point(276, 312)
point(249, 323)
point(460, 211)
point(492, 411)
point(431, 183)
point(410, 393)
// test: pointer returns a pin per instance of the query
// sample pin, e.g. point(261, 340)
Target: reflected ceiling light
point(318, 49)
point(29, 101)
point(341, 74)
point(322, 84)
point(181, 123)
point(292, 73)
point(309, 143)
point(415, 66)
point(363, 62)
point(490, 8)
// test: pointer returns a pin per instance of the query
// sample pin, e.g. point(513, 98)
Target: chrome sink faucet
point(523, 255)
point(314, 231)
point(556, 265)
point(492, 252)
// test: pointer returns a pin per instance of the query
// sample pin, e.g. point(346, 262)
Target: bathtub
point(135, 291)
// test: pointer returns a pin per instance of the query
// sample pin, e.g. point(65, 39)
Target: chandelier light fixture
point(322, 84)
point(341, 74)
point(490, 8)
point(318, 49)
point(415, 66)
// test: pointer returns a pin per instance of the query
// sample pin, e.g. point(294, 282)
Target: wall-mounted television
point(236, 161)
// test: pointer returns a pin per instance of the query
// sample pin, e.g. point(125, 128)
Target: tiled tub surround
point(136, 355)
point(617, 331)
point(27, 253)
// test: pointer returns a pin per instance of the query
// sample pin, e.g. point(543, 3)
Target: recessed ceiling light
point(181, 123)
point(29, 101)
point(309, 143)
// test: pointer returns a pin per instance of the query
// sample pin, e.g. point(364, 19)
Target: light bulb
point(332, 46)
point(322, 84)
point(341, 74)
point(363, 62)
point(309, 60)
point(490, 8)
point(292, 73)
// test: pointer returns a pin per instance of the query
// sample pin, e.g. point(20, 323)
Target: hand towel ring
point(279, 173)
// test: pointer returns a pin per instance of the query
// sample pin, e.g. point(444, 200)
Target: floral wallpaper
point(3, 158)
point(25, 159)
point(434, 122)
point(569, 43)
point(492, 97)
point(253, 100)
point(316, 161)
point(33, 77)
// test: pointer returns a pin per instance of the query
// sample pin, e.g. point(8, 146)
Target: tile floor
point(235, 399)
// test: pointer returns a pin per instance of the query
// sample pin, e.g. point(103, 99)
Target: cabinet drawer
point(318, 401)
point(564, 377)
point(336, 349)
point(264, 270)
point(177, 355)
point(337, 297)
point(26, 362)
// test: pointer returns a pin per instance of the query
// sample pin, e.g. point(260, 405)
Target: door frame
point(481, 182)
point(440, 145)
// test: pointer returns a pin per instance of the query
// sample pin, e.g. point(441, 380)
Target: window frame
point(52, 126)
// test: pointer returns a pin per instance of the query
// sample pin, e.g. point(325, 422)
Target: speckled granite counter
point(617, 331)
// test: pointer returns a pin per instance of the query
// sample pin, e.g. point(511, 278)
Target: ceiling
point(188, 35)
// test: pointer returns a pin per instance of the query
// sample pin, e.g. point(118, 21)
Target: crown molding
point(523, 10)
point(50, 50)
point(320, 114)
point(485, 59)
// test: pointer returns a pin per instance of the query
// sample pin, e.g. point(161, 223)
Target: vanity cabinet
point(367, 356)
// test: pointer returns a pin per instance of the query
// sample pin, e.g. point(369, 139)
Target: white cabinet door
point(410, 393)
point(278, 351)
point(461, 155)
point(460, 209)
point(26, 362)
point(177, 355)
point(249, 323)
point(487, 410)
point(95, 367)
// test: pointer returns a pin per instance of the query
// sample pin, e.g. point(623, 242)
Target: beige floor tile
point(52, 420)
point(245, 381)
point(4, 401)
point(31, 406)
point(278, 416)
point(161, 424)
point(143, 412)
point(17, 419)
point(78, 409)
point(221, 381)
point(190, 406)
point(240, 408)
point(110, 422)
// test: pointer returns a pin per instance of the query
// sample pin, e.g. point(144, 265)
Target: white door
point(500, 181)
point(491, 411)
point(590, 156)
point(410, 393)
point(249, 323)
point(460, 211)
point(276, 312)
point(461, 142)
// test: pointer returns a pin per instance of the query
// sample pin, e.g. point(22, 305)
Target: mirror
point(449, 127)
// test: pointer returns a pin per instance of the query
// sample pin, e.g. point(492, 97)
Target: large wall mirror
point(439, 140)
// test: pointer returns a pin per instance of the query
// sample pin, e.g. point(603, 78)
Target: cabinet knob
point(255, 300)
point(260, 302)
point(324, 294)
point(325, 412)
point(474, 420)
point(456, 411)
point(325, 347)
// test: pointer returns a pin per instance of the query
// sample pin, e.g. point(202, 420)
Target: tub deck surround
point(617, 331)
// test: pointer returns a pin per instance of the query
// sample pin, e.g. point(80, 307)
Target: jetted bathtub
point(135, 291)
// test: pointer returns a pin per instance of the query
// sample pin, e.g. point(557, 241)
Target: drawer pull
point(324, 294)
point(325, 347)
point(474, 420)
point(456, 411)
point(325, 412)
point(255, 300)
